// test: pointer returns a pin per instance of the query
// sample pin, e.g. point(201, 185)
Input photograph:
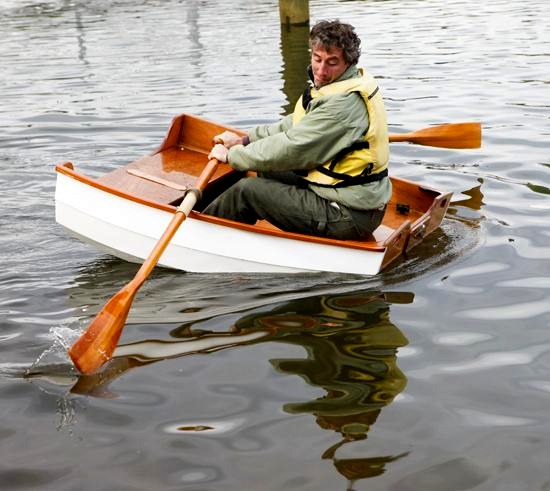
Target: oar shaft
point(400, 137)
point(179, 217)
point(155, 255)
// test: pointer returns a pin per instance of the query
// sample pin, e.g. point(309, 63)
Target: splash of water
point(63, 338)
point(54, 370)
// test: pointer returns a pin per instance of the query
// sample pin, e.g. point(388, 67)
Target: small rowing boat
point(124, 212)
point(136, 213)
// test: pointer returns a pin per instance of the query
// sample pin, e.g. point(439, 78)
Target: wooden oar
point(453, 135)
point(95, 347)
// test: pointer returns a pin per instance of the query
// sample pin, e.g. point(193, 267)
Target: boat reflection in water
point(351, 347)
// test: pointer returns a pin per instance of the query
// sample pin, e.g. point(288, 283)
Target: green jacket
point(330, 125)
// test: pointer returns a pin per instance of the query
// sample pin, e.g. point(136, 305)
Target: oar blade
point(452, 135)
point(458, 135)
point(96, 346)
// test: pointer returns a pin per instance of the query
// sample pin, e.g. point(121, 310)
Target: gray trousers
point(283, 199)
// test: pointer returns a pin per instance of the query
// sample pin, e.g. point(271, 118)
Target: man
point(323, 169)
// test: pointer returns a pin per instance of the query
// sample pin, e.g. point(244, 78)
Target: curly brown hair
point(333, 33)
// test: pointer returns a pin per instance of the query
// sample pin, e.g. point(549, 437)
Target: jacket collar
point(351, 72)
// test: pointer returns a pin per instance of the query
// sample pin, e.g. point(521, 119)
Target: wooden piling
point(294, 12)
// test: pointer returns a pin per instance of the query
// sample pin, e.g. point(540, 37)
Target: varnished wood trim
point(396, 243)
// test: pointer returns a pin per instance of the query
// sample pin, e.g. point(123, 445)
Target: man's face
point(328, 64)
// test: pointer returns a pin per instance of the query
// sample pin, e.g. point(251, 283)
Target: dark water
point(434, 375)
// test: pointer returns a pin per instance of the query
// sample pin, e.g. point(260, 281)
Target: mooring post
point(295, 12)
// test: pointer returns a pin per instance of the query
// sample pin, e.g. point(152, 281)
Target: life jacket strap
point(363, 178)
point(306, 97)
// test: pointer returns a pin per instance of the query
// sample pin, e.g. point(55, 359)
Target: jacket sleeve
point(266, 130)
point(331, 124)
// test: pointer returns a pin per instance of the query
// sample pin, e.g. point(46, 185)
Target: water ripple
point(486, 420)
point(510, 311)
point(485, 361)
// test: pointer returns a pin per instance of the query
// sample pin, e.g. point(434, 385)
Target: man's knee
point(251, 188)
point(237, 192)
point(238, 202)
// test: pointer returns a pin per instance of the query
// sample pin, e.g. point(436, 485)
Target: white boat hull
point(129, 229)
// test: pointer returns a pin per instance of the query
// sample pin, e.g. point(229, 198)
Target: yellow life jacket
point(365, 160)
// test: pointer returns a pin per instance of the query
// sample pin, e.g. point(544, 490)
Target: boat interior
point(164, 177)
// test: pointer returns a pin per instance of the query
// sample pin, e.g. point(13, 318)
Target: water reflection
point(80, 37)
point(474, 200)
point(351, 354)
point(193, 35)
point(537, 188)
point(351, 347)
point(296, 58)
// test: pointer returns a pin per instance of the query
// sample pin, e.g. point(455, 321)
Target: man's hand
point(228, 139)
point(218, 152)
